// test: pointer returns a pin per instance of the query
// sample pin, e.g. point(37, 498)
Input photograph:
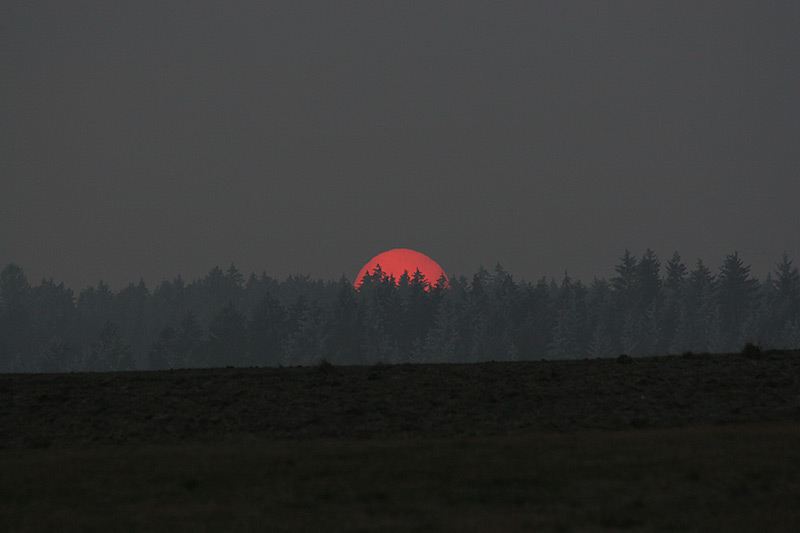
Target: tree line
point(224, 319)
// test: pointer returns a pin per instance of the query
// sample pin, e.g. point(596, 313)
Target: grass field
point(728, 478)
point(663, 444)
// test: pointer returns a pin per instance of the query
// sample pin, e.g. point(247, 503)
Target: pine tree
point(787, 282)
point(601, 343)
point(534, 332)
point(189, 346)
point(640, 330)
point(478, 309)
point(344, 325)
point(673, 287)
point(227, 334)
point(650, 332)
point(15, 320)
point(53, 313)
point(162, 353)
point(757, 326)
point(480, 344)
point(696, 305)
point(307, 344)
point(59, 356)
point(218, 289)
point(267, 332)
point(570, 337)
point(442, 338)
point(109, 352)
point(624, 283)
point(790, 335)
point(565, 335)
point(378, 294)
point(418, 310)
point(600, 303)
point(502, 314)
point(170, 302)
point(131, 310)
point(714, 338)
point(630, 337)
point(648, 281)
point(785, 308)
point(736, 293)
point(95, 306)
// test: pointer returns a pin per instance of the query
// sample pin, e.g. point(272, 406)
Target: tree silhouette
point(736, 293)
point(109, 351)
point(15, 319)
point(268, 330)
point(222, 320)
point(344, 325)
point(227, 334)
point(162, 354)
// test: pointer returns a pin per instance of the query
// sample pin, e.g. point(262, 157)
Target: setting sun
point(396, 262)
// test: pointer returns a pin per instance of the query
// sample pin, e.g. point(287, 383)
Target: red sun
point(396, 262)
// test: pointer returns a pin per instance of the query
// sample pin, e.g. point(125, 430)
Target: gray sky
point(151, 139)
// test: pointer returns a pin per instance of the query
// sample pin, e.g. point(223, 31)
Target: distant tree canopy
point(225, 319)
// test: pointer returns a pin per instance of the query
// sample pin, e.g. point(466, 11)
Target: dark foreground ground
point(670, 443)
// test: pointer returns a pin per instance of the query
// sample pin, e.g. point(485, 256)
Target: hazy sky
point(151, 139)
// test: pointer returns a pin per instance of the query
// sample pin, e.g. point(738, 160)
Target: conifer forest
point(229, 319)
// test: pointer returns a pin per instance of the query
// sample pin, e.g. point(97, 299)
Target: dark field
point(670, 443)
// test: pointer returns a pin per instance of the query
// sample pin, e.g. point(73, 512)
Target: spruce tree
point(267, 331)
point(673, 287)
point(785, 309)
point(109, 352)
point(736, 293)
point(227, 334)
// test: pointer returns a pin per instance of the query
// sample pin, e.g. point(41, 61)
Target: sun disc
point(401, 260)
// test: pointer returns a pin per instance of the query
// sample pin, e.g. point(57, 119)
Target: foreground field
point(673, 443)
point(732, 478)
